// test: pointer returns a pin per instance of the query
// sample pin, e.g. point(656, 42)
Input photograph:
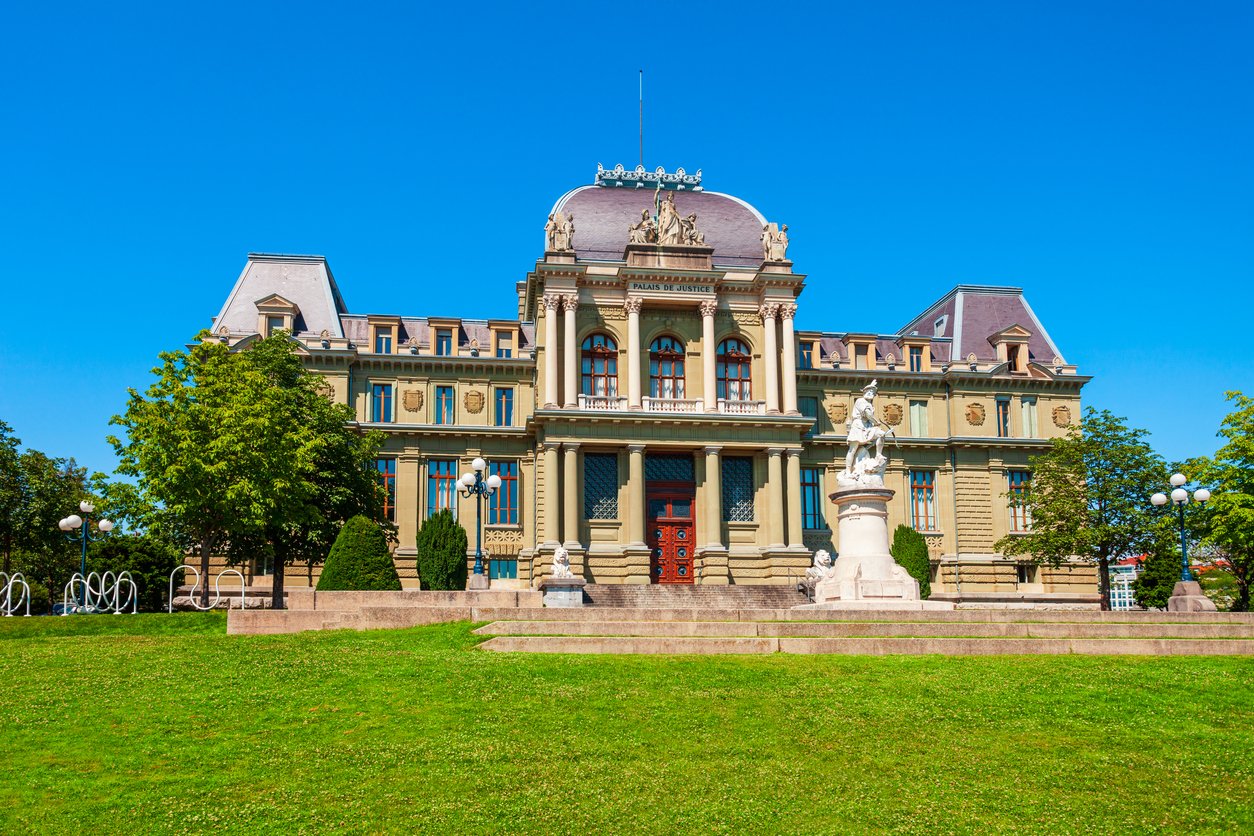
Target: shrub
point(442, 552)
point(1160, 570)
point(910, 550)
point(359, 559)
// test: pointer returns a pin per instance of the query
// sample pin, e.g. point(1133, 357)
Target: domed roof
point(603, 213)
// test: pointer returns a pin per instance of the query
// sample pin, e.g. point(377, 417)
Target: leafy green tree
point(910, 550)
point(12, 494)
point(1227, 521)
point(51, 490)
point(147, 557)
point(442, 552)
point(360, 559)
point(1088, 497)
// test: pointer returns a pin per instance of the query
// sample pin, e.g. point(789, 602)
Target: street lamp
point(83, 524)
point(1180, 498)
point(473, 484)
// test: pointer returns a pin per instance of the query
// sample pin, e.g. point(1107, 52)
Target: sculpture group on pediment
point(559, 233)
point(691, 235)
point(644, 232)
point(775, 242)
point(670, 227)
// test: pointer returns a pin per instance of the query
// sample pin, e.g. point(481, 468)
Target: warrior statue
point(865, 431)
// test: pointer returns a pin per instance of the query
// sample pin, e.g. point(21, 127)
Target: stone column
point(789, 365)
point(635, 492)
point(570, 491)
point(774, 498)
point(795, 538)
point(709, 353)
point(552, 494)
point(551, 303)
point(770, 357)
point(713, 498)
point(570, 394)
point(633, 305)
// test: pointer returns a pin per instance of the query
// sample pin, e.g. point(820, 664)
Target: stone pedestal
point(474, 581)
point(1187, 596)
point(562, 592)
point(864, 570)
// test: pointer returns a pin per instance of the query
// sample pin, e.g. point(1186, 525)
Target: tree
point(910, 550)
point(360, 559)
point(11, 494)
point(442, 552)
point(51, 490)
point(1227, 521)
point(1088, 497)
point(1160, 572)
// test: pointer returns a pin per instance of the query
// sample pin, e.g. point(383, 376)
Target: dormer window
point(916, 358)
point(938, 328)
point(805, 359)
point(384, 336)
point(274, 313)
point(504, 344)
point(444, 342)
point(382, 341)
point(1012, 348)
point(861, 349)
point(275, 323)
point(860, 356)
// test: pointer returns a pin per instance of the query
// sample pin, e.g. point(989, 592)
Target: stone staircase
point(869, 632)
point(657, 596)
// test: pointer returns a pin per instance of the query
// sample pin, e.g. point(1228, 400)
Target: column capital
point(633, 304)
point(570, 445)
point(546, 446)
point(712, 450)
point(787, 310)
point(635, 448)
point(552, 301)
point(793, 452)
point(709, 307)
point(768, 310)
point(774, 451)
point(570, 302)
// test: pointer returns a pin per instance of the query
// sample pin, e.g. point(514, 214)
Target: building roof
point(973, 313)
point(304, 280)
point(603, 213)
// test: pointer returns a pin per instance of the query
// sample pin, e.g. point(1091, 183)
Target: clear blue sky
point(1100, 155)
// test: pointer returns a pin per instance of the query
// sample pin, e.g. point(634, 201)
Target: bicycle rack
point(217, 591)
point(101, 593)
point(9, 583)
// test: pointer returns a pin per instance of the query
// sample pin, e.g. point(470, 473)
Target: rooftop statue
point(669, 225)
point(775, 242)
point(559, 233)
point(692, 235)
point(865, 431)
point(644, 232)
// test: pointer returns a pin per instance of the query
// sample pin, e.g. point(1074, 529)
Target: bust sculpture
point(561, 563)
point(866, 432)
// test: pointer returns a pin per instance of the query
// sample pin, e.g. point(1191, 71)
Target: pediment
point(274, 303)
point(1014, 334)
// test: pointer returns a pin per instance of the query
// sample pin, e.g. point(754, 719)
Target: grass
point(163, 723)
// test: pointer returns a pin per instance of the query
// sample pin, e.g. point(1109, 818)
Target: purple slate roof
point(603, 214)
point(976, 312)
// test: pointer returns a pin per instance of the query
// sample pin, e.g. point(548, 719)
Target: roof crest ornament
point(641, 178)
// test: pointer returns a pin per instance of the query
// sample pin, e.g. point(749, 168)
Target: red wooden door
point(670, 533)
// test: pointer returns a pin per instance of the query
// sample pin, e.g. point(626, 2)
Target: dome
point(604, 212)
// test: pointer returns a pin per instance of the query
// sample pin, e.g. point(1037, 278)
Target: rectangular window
point(812, 498)
point(274, 323)
point(737, 489)
point(444, 404)
point(1003, 417)
point(443, 342)
point(600, 486)
point(386, 468)
point(859, 356)
point(806, 358)
point(809, 407)
point(1020, 514)
point(442, 485)
point(381, 403)
point(503, 504)
point(504, 344)
point(382, 341)
point(923, 500)
point(1028, 402)
point(916, 358)
point(918, 419)
point(503, 568)
point(504, 407)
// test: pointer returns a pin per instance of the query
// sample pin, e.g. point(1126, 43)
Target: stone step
point(713, 597)
point(866, 629)
point(867, 646)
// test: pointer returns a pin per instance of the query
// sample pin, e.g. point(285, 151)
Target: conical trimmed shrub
point(910, 550)
point(359, 559)
point(442, 552)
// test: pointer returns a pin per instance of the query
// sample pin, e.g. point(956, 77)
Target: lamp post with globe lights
point(83, 526)
point(473, 484)
point(1180, 498)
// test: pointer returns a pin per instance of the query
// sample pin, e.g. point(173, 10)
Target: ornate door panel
point(670, 532)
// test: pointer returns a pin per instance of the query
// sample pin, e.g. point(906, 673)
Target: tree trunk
point(276, 590)
point(1242, 603)
point(1103, 565)
point(205, 546)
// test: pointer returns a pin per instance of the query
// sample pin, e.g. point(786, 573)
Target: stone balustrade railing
point(730, 407)
point(672, 404)
point(602, 402)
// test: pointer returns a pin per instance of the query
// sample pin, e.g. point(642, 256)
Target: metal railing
point(8, 585)
point(217, 590)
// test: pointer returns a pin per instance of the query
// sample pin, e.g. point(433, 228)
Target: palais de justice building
point(656, 409)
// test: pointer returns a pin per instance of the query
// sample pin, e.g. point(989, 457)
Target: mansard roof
point(974, 313)
point(303, 280)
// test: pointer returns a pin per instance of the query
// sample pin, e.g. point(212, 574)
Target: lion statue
point(822, 565)
point(561, 563)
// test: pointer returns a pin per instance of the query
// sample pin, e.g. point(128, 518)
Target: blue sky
point(1097, 154)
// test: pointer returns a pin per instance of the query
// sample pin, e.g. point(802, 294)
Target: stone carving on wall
point(606, 312)
point(632, 304)
point(775, 242)
point(866, 432)
point(892, 414)
point(502, 542)
point(975, 414)
point(561, 563)
point(838, 412)
point(1062, 416)
point(935, 545)
point(412, 399)
point(473, 401)
point(745, 318)
point(559, 233)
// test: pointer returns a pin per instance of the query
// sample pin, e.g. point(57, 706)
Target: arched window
point(599, 364)
point(666, 368)
point(733, 370)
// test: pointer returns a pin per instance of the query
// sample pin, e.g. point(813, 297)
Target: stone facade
point(658, 413)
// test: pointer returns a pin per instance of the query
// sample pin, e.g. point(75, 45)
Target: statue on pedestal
point(644, 232)
point(865, 432)
point(692, 236)
point(822, 565)
point(775, 242)
point(561, 563)
point(559, 233)
point(669, 225)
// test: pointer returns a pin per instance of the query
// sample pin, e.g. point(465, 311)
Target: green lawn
point(164, 723)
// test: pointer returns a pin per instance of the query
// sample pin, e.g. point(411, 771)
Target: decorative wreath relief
point(412, 398)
